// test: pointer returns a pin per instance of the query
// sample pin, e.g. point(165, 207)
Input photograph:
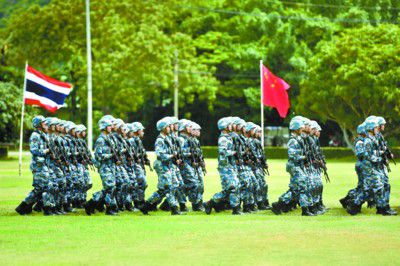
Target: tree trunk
point(346, 137)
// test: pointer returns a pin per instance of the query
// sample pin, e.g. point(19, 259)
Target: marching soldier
point(163, 165)
point(227, 170)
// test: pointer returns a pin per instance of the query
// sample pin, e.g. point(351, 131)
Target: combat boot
point(174, 210)
point(277, 208)
point(261, 206)
point(208, 206)
point(110, 211)
point(253, 207)
point(47, 211)
point(182, 207)
point(153, 207)
point(38, 206)
point(246, 208)
point(89, 207)
point(236, 211)
point(22, 208)
point(67, 208)
point(306, 212)
point(196, 207)
point(390, 210)
point(145, 208)
point(353, 209)
point(344, 202)
point(129, 207)
point(165, 206)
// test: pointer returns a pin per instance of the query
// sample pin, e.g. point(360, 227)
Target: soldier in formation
point(60, 167)
point(306, 164)
point(372, 168)
point(242, 168)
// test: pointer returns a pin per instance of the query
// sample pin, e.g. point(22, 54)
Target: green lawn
point(197, 239)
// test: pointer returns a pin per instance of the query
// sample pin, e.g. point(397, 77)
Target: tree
point(353, 76)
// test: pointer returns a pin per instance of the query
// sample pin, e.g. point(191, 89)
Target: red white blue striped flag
point(44, 91)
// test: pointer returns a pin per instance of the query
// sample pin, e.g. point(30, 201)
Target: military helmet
point(104, 123)
point(118, 122)
point(163, 123)
point(370, 125)
point(37, 121)
point(195, 126)
point(381, 120)
point(138, 125)
point(361, 129)
point(80, 128)
point(223, 123)
point(250, 126)
point(370, 118)
point(183, 123)
point(315, 125)
point(296, 124)
point(70, 126)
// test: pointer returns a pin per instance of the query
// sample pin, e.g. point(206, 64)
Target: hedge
point(3, 152)
point(281, 152)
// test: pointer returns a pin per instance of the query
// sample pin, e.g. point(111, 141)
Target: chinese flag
point(274, 91)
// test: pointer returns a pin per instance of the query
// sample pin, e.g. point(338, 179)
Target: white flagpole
point(262, 105)
point(89, 78)
point(21, 134)
point(176, 85)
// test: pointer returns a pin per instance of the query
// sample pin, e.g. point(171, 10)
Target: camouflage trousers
point(247, 185)
point(41, 177)
point(372, 188)
point(200, 176)
point(107, 194)
point(165, 187)
point(298, 188)
point(230, 186)
point(140, 184)
point(191, 182)
point(262, 188)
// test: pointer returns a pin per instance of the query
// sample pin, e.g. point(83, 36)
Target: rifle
point(387, 154)
point(144, 159)
point(320, 161)
point(58, 153)
point(263, 162)
point(194, 158)
point(238, 152)
point(199, 154)
point(85, 154)
point(176, 148)
point(116, 156)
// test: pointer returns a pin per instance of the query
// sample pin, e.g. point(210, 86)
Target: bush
point(281, 152)
point(3, 152)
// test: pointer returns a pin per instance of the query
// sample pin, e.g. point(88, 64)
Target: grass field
point(197, 239)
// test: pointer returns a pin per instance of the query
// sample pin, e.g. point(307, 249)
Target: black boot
point(90, 207)
point(129, 207)
point(196, 207)
point(390, 210)
point(165, 206)
point(208, 206)
point(306, 212)
point(353, 209)
point(236, 210)
point(38, 206)
point(385, 211)
point(67, 208)
point(146, 207)
point(253, 207)
point(111, 210)
point(47, 211)
point(22, 208)
point(182, 207)
point(276, 208)
point(261, 206)
point(246, 208)
point(344, 202)
point(174, 210)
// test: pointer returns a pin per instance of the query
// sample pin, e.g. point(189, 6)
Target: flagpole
point(21, 133)
point(89, 77)
point(176, 85)
point(262, 105)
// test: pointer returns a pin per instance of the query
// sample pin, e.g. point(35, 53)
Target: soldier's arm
point(101, 150)
point(295, 152)
point(35, 146)
point(162, 151)
point(370, 154)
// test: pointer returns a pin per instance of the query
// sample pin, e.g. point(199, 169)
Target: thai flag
point(44, 91)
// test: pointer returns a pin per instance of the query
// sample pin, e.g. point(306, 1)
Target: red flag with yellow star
point(275, 92)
